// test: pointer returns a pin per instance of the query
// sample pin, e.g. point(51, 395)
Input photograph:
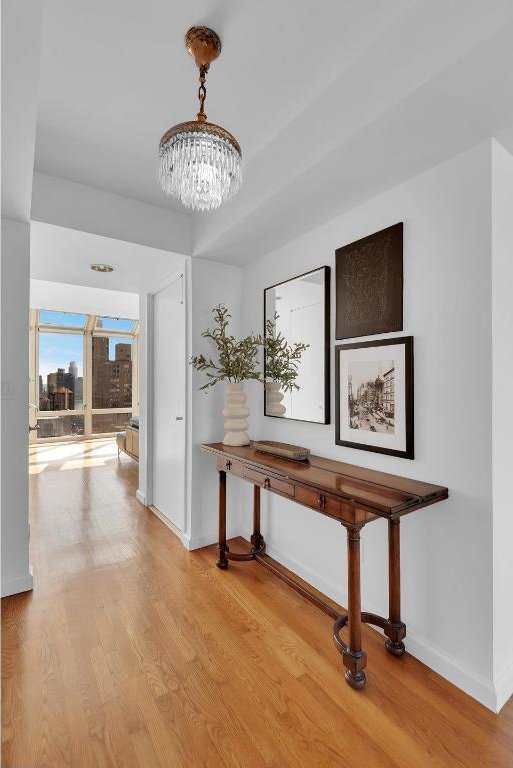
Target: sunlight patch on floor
point(83, 463)
point(103, 448)
point(88, 453)
point(54, 452)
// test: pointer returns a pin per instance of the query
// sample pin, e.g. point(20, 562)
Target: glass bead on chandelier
point(200, 169)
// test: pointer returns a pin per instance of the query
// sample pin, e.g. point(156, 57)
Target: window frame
point(88, 332)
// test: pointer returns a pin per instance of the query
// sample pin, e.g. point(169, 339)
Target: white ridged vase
point(273, 398)
point(235, 414)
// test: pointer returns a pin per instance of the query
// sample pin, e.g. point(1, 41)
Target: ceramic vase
point(235, 414)
point(273, 398)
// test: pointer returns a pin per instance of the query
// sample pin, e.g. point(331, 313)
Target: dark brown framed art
point(369, 284)
point(301, 307)
point(374, 396)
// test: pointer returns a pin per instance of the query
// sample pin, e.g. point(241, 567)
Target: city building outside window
point(83, 374)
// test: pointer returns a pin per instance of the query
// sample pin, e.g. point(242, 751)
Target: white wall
point(78, 298)
point(16, 574)
point(447, 548)
point(21, 46)
point(211, 283)
point(21, 36)
point(76, 206)
point(502, 326)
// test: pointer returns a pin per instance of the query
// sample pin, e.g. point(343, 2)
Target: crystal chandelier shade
point(201, 169)
point(200, 162)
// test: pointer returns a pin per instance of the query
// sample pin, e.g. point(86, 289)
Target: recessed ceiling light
point(102, 268)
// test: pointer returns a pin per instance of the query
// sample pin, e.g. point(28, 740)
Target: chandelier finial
point(204, 45)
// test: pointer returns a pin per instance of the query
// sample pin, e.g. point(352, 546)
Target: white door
point(169, 401)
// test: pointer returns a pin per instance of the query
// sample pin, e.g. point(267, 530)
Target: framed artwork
point(374, 396)
point(369, 284)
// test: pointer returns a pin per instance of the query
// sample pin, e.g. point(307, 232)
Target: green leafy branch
point(237, 361)
point(281, 358)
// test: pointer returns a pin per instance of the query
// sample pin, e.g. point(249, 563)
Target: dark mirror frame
point(327, 344)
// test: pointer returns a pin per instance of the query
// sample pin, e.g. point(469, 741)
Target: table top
point(385, 493)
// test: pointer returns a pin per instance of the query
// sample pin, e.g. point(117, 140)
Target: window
point(115, 324)
point(112, 372)
point(60, 426)
point(64, 319)
point(61, 371)
point(104, 423)
point(83, 374)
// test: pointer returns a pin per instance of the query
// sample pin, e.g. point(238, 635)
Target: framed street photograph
point(374, 396)
point(369, 284)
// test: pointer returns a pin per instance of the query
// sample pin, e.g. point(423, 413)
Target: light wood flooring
point(133, 652)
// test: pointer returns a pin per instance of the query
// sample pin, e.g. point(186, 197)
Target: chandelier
point(200, 162)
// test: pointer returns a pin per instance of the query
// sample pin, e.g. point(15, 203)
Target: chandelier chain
point(202, 93)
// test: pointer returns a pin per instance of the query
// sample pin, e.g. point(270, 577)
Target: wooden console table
point(352, 495)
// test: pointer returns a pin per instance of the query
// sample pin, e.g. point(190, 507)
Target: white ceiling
point(62, 255)
point(332, 101)
point(115, 76)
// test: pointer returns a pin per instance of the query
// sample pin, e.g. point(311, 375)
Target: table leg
point(222, 546)
point(354, 658)
point(395, 629)
point(257, 540)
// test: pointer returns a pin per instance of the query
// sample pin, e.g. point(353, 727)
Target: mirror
point(300, 308)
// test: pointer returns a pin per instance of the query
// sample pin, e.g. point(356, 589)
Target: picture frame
point(374, 398)
point(369, 284)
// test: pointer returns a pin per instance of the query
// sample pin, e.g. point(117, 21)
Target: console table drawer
point(271, 483)
point(324, 503)
point(227, 465)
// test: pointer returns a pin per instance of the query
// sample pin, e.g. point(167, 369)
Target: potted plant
point(237, 361)
point(281, 367)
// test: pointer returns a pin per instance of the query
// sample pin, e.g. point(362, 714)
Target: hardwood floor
point(133, 652)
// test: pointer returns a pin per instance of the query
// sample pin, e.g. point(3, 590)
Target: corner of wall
point(17, 585)
point(502, 418)
point(15, 262)
point(211, 283)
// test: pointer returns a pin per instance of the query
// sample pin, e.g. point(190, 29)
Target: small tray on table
point(283, 450)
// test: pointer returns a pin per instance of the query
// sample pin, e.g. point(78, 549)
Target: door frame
point(146, 393)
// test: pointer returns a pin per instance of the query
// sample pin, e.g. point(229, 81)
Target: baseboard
point(139, 495)
point(197, 542)
point(475, 685)
point(328, 588)
point(504, 687)
point(18, 585)
point(163, 519)
point(189, 542)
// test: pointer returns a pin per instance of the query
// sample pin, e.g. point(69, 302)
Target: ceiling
point(332, 101)
point(62, 255)
point(115, 76)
